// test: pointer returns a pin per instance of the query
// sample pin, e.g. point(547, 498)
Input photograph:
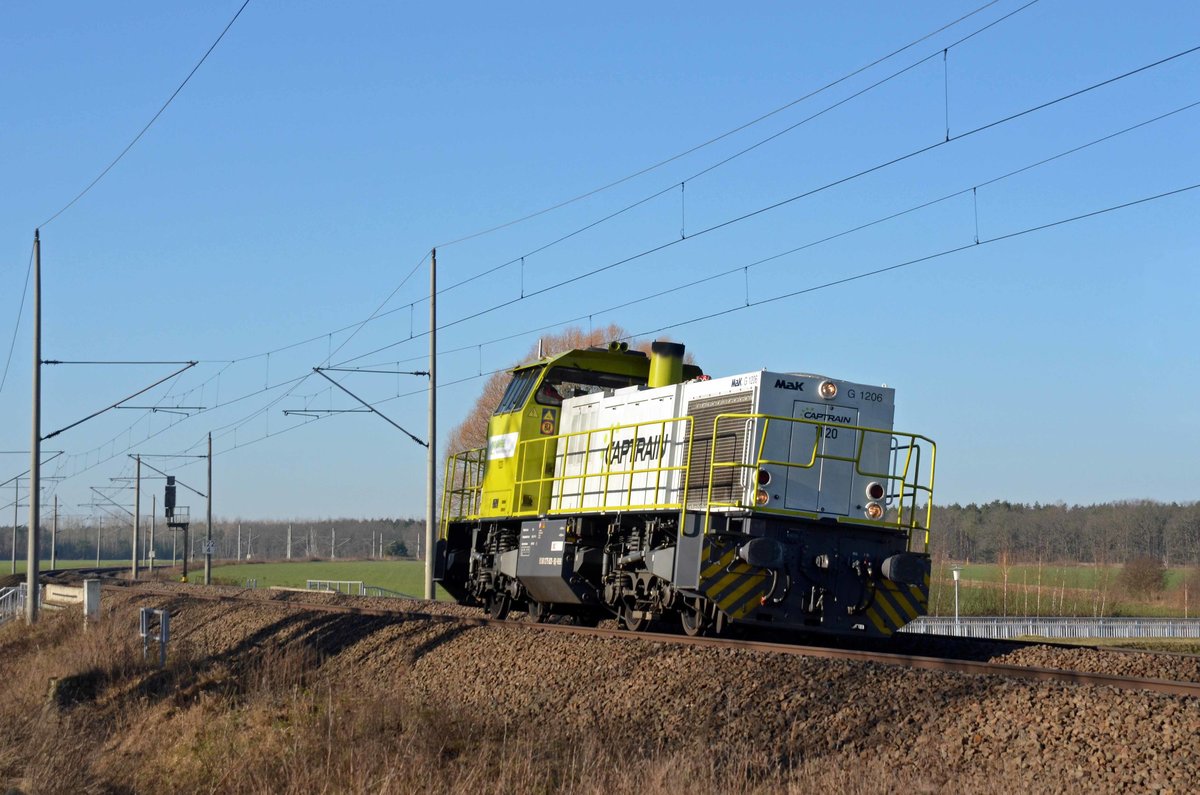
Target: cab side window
point(549, 395)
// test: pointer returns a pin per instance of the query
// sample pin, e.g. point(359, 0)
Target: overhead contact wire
point(296, 382)
point(827, 285)
point(739, 153)
point(728, 133)
point(874, 222)
point(791, 199)
point(655, 195)
point(927, 258)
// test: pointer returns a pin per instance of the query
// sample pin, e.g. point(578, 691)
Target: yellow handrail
point(468, 489)
point(557, 483)
point(464, 472)
point(908, 477)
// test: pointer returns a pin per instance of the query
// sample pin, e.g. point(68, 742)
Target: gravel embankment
point(1146, 665)
point(956, 732)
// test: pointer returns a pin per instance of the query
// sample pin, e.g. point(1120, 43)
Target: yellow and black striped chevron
point(895, 605)
point(736, 588)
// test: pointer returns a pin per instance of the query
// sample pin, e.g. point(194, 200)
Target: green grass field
point(1065, 589)
point(405, 576)
point(1056, 589)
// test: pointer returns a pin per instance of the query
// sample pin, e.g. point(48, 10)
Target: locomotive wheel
point(720, 623)
point(627, 621)
point(497, 605)
point(693, 621)
point(539, 611)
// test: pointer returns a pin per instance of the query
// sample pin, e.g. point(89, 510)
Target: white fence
point(10, 608)
point(375, 590)
point(1012, 627)
point(12, 602)
point(351, 587)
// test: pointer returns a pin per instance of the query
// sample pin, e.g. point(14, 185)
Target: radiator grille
point(730, 443)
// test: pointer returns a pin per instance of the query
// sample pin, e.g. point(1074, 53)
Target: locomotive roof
point(630, 363)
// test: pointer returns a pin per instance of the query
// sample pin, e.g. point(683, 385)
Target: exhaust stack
point(666, 363)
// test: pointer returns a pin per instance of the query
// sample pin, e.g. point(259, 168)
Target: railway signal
point(169, 497)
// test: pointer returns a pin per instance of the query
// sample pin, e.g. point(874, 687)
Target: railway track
point(946, 664)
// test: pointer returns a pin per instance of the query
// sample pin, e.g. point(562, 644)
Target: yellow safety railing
point(913, 476)
point(568, 491)
point(462, 488)
point(556, 490)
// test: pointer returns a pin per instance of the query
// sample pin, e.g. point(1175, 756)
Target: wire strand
point(142, 132)
point(17, 325)
point(735, 269)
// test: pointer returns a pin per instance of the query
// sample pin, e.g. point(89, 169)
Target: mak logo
point(797, 386)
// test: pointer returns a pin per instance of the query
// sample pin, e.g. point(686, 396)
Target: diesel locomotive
point(616, 484)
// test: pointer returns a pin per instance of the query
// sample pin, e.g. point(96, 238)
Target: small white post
point(91, 600)
point(956, 572)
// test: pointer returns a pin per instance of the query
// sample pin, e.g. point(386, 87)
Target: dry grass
point(83, 713)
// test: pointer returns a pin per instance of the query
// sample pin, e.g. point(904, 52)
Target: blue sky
point(322, 150)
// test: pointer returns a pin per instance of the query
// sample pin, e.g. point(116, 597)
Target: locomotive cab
point(522, 433)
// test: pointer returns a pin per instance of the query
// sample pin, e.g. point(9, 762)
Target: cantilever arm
point(374, 410)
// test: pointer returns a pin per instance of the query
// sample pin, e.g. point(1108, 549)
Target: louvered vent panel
point(730, 443)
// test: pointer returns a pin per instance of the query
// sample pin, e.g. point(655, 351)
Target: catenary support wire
point(119, 402)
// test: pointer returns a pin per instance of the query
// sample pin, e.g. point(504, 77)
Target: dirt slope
point(259, 697)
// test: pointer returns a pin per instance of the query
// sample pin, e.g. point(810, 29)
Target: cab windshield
point(518, 390)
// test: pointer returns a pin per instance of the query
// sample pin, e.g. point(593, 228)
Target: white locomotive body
point(635, 441)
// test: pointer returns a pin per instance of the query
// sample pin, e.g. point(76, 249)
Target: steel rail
point(1061, 675)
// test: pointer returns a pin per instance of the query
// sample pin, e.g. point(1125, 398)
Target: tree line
point(1109, 533)
point(995, 532)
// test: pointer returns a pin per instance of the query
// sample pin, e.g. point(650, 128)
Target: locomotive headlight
point(761, 497)
point(874, 510)
point(875, 490)
point(764, 477)
point(828, 390)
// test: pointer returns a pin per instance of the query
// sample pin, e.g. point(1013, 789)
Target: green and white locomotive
point(619, 484)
